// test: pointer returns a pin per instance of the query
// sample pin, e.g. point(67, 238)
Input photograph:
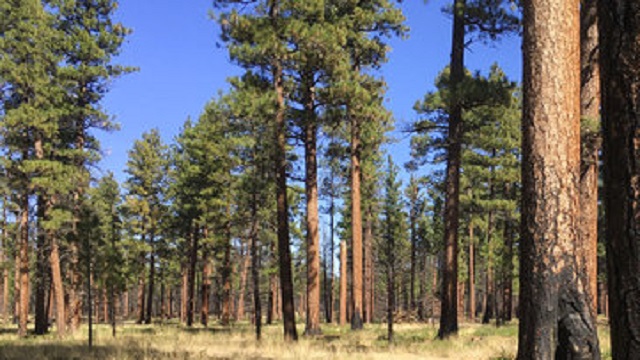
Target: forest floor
point(172, 341)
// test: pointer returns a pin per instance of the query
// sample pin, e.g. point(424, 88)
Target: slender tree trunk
point(5, 269)
point(620, 68)
point(368, 266)
point(183, 293)
point(152, 275)
point(311, 194)
point(225, 272)
point(507, 261)
point(58, 287)
point(141, 303)
point(590, 113)
point(472, 274)
point(391, 305)
point(448, 317)
point(284, 252)
point(191, 282)
point(271, 301)
point(206, 290)
point(343, 282)
point(243, 280)
point(413, 198)
point(555, 317)
point(41, 321)
point(330, 318)
point(356, 225)
point(489, 308)
point(16, 283)
point(23, 313)
point(255, 266)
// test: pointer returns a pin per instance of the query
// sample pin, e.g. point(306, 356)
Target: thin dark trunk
point(449, 311)
point(152, 272)
point(343, 282)
point(23, 313)
point(472, 273)
point(284, 252)
point(191, 281)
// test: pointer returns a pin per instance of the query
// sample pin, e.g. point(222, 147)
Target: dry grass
point(171, 341)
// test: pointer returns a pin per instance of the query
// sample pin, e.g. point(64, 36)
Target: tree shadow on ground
point(80, 352)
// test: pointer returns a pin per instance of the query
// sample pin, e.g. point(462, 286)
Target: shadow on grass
point(80, 352)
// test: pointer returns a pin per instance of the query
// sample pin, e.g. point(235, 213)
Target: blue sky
point(181, 68)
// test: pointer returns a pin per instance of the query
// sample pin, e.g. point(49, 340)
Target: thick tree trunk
point(311, 194)
point(343, 282)
point(590, 113)
point(555, 316)
point(448, 317)
point(284, 252)
point(356, 225)
point(620, 69)
point(57, 285)
point(23, 313)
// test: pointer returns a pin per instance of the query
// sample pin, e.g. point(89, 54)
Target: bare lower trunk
point(619, 25)
point(141, 293)
point(243, 281)
point(284, 251)
point(448, 317)
point(206, 289)
point(23, 313)
point(367, 304)
point(555, 320)
point(356, 226)
point(590, 148)
point(58, 287)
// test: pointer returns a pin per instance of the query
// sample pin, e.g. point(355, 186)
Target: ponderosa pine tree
point(147, 168)
point(619, 25)
point(89, 39)
point(28, 60)
point(555, 321)
point(393, 221)
point(262, 24)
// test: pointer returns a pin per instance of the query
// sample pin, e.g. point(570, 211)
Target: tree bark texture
point(620, 69)
point(590, 148)
point(311, 193)
point(555, 317)
point(356, 225)
point(284, 251)
point(23, 313)
point(449, 311)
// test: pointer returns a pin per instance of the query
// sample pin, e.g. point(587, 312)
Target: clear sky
point(181, 68)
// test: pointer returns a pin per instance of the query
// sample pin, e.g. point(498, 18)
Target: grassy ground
point(171, 341)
